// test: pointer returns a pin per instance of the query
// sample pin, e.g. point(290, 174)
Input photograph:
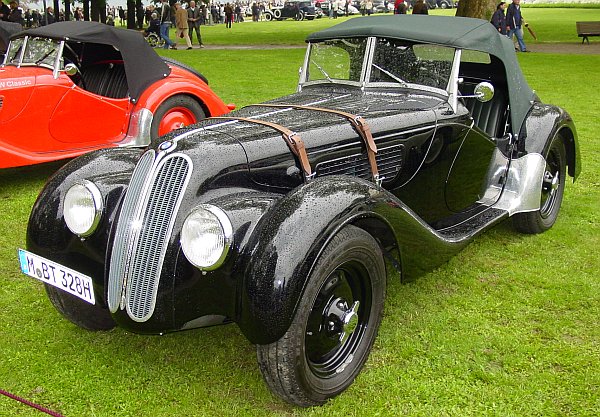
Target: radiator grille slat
point(138, 255)
point(122, 238)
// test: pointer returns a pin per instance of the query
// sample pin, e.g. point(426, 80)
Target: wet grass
point(509, 327)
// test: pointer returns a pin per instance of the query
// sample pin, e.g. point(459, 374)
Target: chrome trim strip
point(121, 250)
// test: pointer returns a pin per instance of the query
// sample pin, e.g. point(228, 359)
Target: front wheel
point(553, 188)
point(335, 324)
point(176, 112)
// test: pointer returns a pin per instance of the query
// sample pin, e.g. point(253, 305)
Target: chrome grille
point(389, 162)
point(123, 235)
point(139, 251)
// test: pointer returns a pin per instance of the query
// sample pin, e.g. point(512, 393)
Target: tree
point(483, 9)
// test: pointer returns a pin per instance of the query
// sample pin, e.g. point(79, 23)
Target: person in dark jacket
point(420, 7)
point(514, 23)
point(499, 19)
point(16, 14)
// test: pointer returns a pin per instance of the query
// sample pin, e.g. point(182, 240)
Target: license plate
point(57, 275)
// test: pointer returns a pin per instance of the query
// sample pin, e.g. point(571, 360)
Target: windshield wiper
point(322, 71)
point(389, 74)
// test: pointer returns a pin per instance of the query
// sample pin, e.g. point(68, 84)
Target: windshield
point(38, 51)
point(337, 60)
point(402, 62)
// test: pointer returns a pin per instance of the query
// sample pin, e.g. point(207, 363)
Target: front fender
point(47, 233)
point(289, 238)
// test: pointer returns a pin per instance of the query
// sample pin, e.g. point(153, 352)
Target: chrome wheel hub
point(342, 320)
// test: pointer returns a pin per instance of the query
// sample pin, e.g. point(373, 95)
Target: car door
point(83, 119)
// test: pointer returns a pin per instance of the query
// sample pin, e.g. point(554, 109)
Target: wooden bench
point(585, 29)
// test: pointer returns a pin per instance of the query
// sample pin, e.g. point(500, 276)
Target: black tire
point(553, 188)
point(79, 312)
point(313, 361)
point(277, 14)
point(191, 112)
point(300, 16)
point(268, 17)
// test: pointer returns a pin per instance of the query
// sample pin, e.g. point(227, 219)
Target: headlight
point(83, 208)
point(206, 237)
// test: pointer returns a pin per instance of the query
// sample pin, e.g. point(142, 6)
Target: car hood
point(269, 155)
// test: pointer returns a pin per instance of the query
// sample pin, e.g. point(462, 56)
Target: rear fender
point(543, 123)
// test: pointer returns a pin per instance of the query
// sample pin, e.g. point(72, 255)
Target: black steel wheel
point(79, 312)
point(335, 324)
point(553, 188)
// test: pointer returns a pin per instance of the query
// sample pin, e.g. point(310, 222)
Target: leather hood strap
point(293, 140)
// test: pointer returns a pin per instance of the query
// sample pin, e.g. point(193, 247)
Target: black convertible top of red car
point(142, 65)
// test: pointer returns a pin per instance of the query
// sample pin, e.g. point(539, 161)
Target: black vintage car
point(293, 9)
point(407, 137)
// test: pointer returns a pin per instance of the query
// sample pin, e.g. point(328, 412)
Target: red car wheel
point(176, 112)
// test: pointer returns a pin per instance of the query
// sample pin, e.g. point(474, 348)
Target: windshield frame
point(448, 91)
point(54, 67)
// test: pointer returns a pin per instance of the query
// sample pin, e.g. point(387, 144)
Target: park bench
point(585, 29)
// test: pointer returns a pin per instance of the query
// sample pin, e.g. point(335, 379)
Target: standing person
point(420, 7)
point(4, 11)
point(16, 14)
point(400, 7)
point(228, 10)
point(369, 7)
point(181, 24)
point(165, 24)
point(514, 23)
point(499, 19)
point(48, 17)
point(194, 15)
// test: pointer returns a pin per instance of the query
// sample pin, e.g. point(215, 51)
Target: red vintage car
point(73, 87)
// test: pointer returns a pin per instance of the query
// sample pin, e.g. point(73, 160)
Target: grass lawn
point(509, 327)
point(549, 24)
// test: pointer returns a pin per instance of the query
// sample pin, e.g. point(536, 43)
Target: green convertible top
point(457, 32)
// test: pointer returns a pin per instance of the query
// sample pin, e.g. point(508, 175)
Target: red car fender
point(176, 84)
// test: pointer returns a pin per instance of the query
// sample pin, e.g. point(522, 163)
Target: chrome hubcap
point(342, 320)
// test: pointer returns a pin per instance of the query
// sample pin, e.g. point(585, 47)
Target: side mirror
point(71, 69)
point(484, 92)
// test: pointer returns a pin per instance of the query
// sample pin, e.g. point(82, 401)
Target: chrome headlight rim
point(226, 229)
point(98, 207)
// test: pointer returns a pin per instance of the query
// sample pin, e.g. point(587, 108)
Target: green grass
point(509, 327)
point(550, 24)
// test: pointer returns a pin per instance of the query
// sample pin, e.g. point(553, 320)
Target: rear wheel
point(335, 324)
point(79, 312)
point(268, 17)
point(176, 112)
point(553, 187)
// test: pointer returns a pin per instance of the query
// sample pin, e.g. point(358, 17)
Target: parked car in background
point(73, 87)
point(293, 9)
point(407, 137)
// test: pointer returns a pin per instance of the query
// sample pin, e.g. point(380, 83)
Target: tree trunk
point(482, 9)
point(130, 14)
point(98, 11)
